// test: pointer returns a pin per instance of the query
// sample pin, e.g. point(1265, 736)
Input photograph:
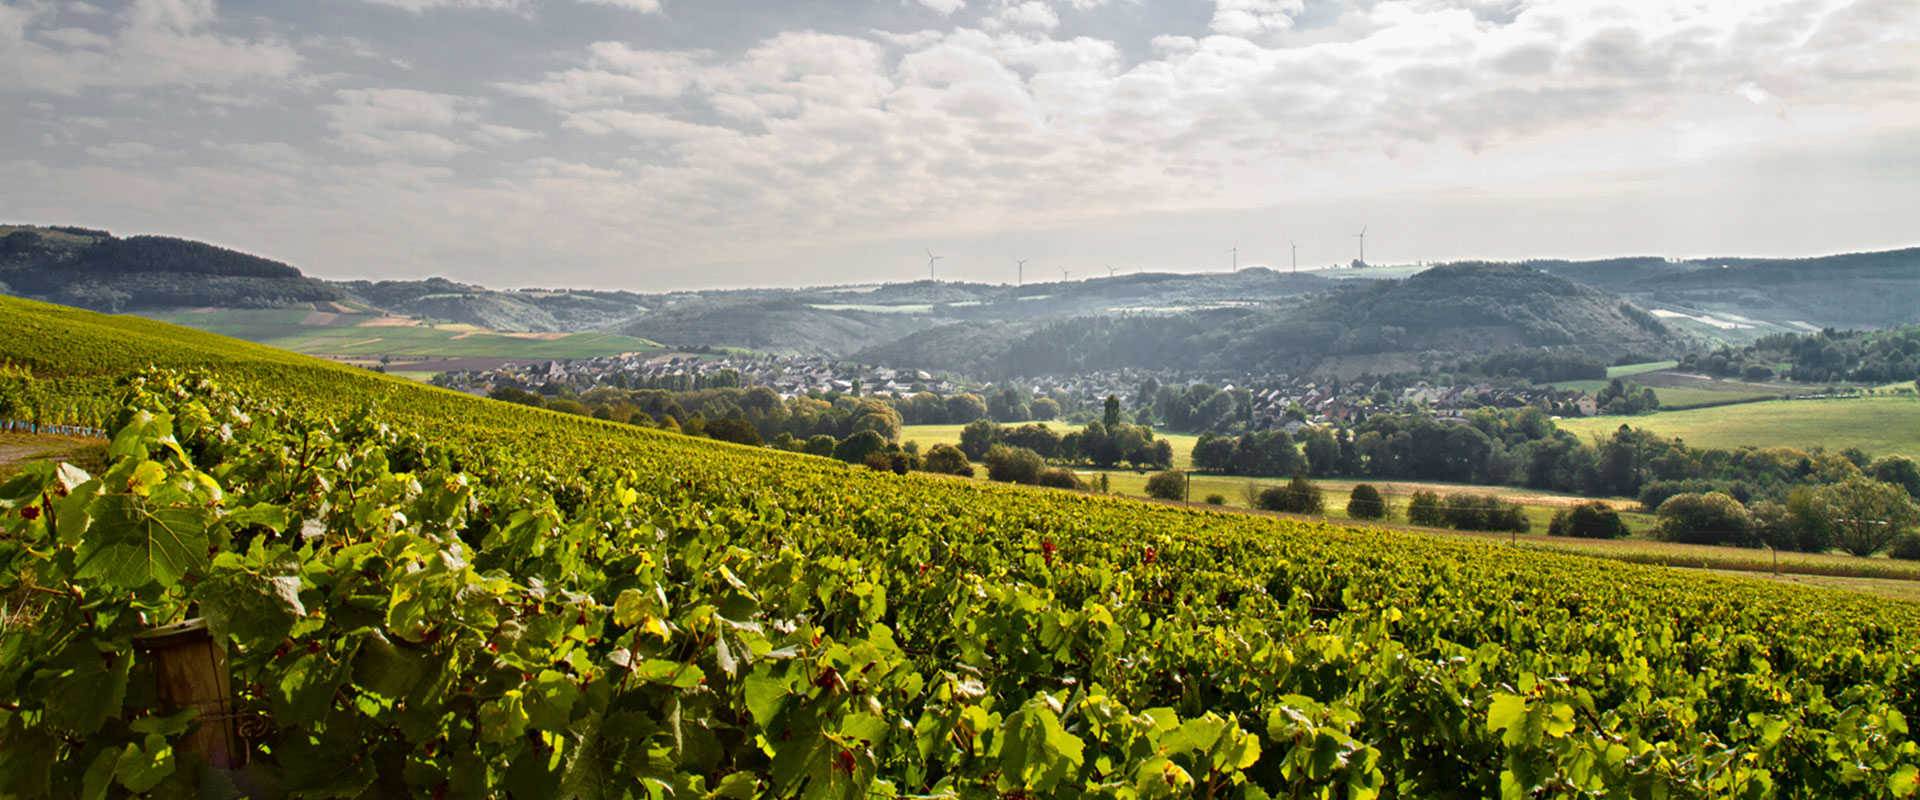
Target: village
point(1269, 401)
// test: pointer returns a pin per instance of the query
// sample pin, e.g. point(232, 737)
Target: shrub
point(737, 431)
point(1711, 518)
point(854, 449)
point(1014, 464)
point(1169, 485)
point(1424, 509)
point(1472, 512)
point(1595, 520)
point(1299, 496)
point(1060, 478)
point(948, 460)
point(1365, 502)
point(821, 445)
point(1216, 499)
point(1906, 548)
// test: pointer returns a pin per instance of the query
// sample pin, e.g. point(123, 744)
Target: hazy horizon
point(660, 144)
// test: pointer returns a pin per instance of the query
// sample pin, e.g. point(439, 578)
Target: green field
point(1629, 370)
point(444, 595)
point(370, 336)
point(1877, 425)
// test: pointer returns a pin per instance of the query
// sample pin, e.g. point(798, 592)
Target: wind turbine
point(1110, 270)
point(1363, 244)
point(1064, 272)
point(1020, 276)
point(1236, 256)
point(1296, 254)
point(930, 259)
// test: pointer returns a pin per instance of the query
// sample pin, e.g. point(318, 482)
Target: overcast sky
point(660, 144)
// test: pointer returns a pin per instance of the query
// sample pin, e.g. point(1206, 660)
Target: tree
point(1322, 452)
point(854, 449)
point(948, 460)
point(1473, 512)
point(1007, 406)
point(978, 437)
point(820, 445)
point(965, 408)
point(1365, 502)
point(1594, 520)
point(874, 414)
point(512, 395)
point(1110, 412)
point(1424, 509)
point(1014, 464)
point(1299, 496)
point(1213, 453)
point(1044, 409)
point(1866, 515)
point(1900, 471)
point(1711, 518)
point(738, 431)
point(1168, 485)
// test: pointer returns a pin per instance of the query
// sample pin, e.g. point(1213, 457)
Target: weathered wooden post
point(191, 671)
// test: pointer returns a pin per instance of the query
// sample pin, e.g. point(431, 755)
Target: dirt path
point(10, 453)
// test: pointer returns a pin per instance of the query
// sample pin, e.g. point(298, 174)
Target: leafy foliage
point(450, 596)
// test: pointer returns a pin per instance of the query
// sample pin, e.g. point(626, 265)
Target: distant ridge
point(93, 269)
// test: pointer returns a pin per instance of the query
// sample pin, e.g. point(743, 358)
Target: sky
point(680, 144)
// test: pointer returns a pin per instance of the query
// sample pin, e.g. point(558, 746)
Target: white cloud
point(945, 7)
point(1030, 14)
point(397, 123)
point(423, 6)
point(1254, 17)
point(1010, 122)
point(502, 134)
point(613, 72)
point(643, 6)
point(157, 43)
point(122, 151)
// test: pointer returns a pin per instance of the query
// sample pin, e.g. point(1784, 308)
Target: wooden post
point(191, 671)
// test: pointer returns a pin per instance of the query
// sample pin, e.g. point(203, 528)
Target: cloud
point(121, 151)
point(643, 6)
point(1248, 18)
point(1014, 117)
point(398, 123)
point(945, 7)
point(1030, 14)
point(423, 6)
point(156, 43)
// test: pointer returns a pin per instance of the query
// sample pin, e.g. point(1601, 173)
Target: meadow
point(1877, 425)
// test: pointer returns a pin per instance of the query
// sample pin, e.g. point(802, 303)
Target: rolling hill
point(1376, 327)
point(94, 269)
point(1747, 297)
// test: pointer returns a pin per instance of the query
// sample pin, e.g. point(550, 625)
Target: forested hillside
point(530, 310)
point(94, 269)
point(1379, 327)
point(1855, 290)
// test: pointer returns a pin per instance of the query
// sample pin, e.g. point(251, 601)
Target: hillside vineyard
point(426, 594)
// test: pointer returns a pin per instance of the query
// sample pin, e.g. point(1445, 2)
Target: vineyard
point(420, 593)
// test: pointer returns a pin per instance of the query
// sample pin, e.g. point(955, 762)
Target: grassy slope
point(89, 350)
point(348, 335)
point(1877, 425)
